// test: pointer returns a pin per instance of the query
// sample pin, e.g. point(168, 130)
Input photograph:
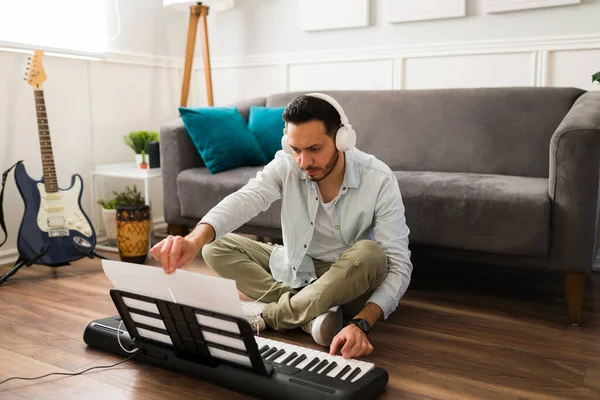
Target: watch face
point(364, 325)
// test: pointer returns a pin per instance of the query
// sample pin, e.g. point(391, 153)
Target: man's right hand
point(175, 252)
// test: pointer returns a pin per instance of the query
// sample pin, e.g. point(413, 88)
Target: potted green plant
point(138, 142)
point(109, 216)
point(133, 219)
point(127, 221)
point(596, 77)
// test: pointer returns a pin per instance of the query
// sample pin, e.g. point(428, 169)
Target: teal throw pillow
point(222, 138)
point(266, 123)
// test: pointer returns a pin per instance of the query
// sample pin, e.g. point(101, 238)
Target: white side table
point(128, 171)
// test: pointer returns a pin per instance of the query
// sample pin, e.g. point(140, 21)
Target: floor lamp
point(198, 12)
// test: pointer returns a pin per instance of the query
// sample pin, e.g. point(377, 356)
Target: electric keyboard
point(221, 348)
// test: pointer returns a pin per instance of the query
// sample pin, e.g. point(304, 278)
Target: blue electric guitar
point(54, 229)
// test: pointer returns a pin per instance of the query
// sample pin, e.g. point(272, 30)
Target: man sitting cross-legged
point(344, 234)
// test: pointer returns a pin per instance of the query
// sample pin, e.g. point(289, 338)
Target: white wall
point(262, 50)
point(272, 27)
point(258, 49)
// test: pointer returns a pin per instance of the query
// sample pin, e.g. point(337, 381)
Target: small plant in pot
point(138, 142)
point(109, 213)
point(132, 219)
point(596, 77)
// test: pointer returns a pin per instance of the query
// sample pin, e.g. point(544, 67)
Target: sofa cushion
point(486, 213)
point(266, 123)
point(222, 138)
point(199, 191)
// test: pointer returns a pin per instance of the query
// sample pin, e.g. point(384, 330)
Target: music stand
point(204, 338)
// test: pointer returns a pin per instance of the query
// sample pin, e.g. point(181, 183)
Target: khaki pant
point(358, 271)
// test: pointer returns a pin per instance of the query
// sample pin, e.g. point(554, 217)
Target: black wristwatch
point(363, 324)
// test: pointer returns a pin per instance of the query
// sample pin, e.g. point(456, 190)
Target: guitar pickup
point(58, 232)
point(56, 222)
point(53, 196)
point(55, 209)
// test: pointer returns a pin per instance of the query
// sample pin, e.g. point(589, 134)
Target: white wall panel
point(493, 6)
point(470, 71)
point(332, 14)
point(574, 68)
point(403, 11)
point(359, 75)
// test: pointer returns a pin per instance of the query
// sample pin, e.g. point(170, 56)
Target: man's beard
point(327, 168)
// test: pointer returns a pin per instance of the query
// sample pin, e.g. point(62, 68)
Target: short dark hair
point(307, 108)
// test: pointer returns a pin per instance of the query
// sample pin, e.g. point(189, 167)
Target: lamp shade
point(184, 5)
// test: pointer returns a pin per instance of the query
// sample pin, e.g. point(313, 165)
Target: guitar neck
point(45, 143)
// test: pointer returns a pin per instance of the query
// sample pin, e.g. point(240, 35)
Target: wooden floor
point(460, 332)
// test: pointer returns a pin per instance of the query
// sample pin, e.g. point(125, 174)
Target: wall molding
point(114, 57)
point(533, 44)
point(522, 45)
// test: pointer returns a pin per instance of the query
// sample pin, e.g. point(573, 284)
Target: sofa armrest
point(177, 153)
point(573, 185)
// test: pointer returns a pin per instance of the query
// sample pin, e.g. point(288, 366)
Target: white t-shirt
point(325, 245)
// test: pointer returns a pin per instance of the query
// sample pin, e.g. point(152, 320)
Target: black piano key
point(353, 374)
point(320, 366)
point(263, 349)
point(269, 352)
point(298, 360)
point(329, 368)
point(311, 363)
point(289, 358)
point(276, 355)
point(343, 372)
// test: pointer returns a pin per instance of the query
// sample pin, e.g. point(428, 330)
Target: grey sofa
point(506, 176)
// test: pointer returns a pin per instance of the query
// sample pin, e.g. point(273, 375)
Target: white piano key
point(310, 355)
point(329, 360)
point(341, 363)
point(353, 364)
point(287, 351)
point(314, 367)
point(336, 370)
point(366, 367)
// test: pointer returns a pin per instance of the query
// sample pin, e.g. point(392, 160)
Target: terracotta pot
point(133, 233)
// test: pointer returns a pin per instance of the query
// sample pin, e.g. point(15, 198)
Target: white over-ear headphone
point(345, 138)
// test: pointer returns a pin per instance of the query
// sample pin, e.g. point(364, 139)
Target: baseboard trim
point(8, 257)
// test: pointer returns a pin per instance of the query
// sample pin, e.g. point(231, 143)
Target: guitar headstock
point(35, 70)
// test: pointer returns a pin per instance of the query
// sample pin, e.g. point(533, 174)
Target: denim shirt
point(370, 207)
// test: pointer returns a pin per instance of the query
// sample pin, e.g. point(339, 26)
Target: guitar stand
point(22, 262)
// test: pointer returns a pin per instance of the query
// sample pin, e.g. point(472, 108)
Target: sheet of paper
point(184, 287)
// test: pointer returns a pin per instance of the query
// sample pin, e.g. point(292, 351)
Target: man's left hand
point(352, 342)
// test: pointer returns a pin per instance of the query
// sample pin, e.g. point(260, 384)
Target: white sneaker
point(324, 327)
point(252, 310)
